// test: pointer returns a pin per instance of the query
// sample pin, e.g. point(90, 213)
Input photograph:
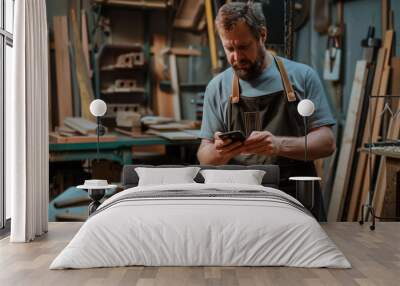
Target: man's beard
point(253, 69)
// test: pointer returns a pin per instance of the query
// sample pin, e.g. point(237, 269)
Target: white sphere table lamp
point(305, 185)
point(96, 188)
point(98, 108)
point(305, 108)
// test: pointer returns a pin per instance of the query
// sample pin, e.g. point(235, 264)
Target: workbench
point(119, 150)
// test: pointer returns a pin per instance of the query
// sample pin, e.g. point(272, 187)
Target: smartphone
point(233, 135)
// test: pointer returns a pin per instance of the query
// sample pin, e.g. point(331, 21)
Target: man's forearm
point(318, 146)
point(208, 155)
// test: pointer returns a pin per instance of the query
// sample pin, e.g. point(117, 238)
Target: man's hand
point(261, 143)
point(226, 148)
point(218, 151)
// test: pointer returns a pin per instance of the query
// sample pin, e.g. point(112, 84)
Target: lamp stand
point(98, 138)
point(305, 138)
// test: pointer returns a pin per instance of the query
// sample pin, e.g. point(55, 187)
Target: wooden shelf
point(135, 90)
point(120, 69)
point(139, 4)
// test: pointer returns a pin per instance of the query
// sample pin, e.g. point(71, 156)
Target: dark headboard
point(271, 178)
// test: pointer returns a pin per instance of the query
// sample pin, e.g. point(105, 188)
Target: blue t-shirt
point(305, 82)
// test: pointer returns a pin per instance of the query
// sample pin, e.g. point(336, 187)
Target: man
point(255, 97)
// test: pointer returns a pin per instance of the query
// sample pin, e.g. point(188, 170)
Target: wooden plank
point(82, 73)
point(380, 103)
point(347, 147)
point(163, 101)
point(180, 51)
point(378, 71)
point(137, 3)
point(380, 187)
point(85, 41)
point(387, 45)
point(175, 87)
point(211, 36)
point(63, 69)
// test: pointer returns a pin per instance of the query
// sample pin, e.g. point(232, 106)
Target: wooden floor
point(375, 257)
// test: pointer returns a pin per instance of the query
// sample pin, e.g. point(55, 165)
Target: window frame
point(6, 39)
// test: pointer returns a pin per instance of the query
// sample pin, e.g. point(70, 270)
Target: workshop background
point(150, 61)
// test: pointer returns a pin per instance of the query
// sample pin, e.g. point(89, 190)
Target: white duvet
point(200, 231)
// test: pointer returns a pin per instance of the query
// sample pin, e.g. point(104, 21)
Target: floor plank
point(375, 257)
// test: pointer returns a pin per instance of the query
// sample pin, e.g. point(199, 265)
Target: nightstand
point(96, 190)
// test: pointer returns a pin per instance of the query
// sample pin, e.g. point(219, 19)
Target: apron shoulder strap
point(287, 86)
point(235, 96)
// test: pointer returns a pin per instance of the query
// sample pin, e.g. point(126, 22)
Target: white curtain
point(27, 123)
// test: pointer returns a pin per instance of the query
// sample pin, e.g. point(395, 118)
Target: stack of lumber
point(181, 130)
point(78, 130)
point(370, 164)
point(369, 119)
point(71, 58)
point(176, 135)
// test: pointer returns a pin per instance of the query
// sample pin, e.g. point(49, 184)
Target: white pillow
point(164, 176)
point(248, 177)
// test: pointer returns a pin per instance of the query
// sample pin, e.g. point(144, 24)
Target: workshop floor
point(375, 257)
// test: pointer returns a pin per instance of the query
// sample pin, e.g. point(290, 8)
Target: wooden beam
point(180, 51)
point(211, 36)
point(82, 73)
point(63, 69)
point(137, 3)
point(85, 41)
point(348, 145)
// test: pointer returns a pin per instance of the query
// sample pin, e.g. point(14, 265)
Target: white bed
point(203, 231)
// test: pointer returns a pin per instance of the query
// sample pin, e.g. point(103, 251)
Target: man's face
point(244, 52)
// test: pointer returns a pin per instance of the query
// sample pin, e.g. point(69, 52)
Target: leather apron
point(276, 113)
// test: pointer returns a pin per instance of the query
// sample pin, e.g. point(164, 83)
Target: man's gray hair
point(250, 13)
